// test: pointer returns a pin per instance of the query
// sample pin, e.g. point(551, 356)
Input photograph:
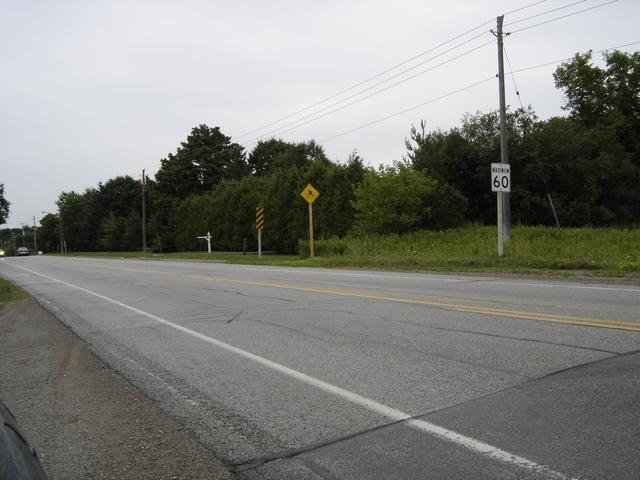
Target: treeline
point(586, 164)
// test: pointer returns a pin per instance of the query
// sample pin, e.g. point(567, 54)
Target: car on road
point(22, 251)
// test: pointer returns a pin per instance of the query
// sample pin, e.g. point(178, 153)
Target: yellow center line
point(371, 295)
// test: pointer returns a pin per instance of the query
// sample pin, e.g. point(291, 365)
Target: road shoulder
point(85, 419)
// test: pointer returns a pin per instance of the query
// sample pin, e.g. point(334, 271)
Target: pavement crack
point(257, 462)
point(267, 297)
point(510, 337)
point(234, 317)
point(484, 334)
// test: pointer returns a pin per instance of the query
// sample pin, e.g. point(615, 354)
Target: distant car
point(22, 251)
point(1, 253)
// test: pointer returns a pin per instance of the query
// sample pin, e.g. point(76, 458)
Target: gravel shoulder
point(84, 419)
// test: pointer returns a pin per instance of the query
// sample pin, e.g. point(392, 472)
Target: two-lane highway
point(313, 373)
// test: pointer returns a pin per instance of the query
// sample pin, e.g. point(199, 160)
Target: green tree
point(399, 200)
point(111, 232)
point(4, 206)
point(132, 232)
point(81, 219)
point(604, 102)
point(595, 95)
point(202, 161)
point(262, 157)
point(49, 233)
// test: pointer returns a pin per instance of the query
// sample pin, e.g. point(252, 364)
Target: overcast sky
point(94, 89)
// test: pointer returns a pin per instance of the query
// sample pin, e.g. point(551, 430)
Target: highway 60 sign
point(500, 177)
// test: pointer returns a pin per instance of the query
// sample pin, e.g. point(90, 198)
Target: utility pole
point(61, 232)
point(144, 213)
point(504, 208)
point(35, 241)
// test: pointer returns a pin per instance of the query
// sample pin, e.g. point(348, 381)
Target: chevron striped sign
point(259, 218)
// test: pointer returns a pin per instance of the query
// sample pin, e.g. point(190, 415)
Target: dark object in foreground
point(18, 461)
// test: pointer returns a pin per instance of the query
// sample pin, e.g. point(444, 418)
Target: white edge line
point(393, 414)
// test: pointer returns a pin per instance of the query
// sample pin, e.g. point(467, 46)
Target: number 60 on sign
point(500, 177)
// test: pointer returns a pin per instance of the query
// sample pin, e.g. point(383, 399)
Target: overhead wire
point(421, 54)
point(406, 110)
point(390, 69)
point(565, 59)
point(564, 16)
point(459, 90)
point(317, 114)
point(513, 77)
point(535, 154)
point(300, 122)
point(524, 7)
point(367, 80)
point(546, 12)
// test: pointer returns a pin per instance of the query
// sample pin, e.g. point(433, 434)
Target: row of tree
point(587, 165)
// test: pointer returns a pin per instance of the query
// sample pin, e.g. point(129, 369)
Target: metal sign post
point(310, 194)
point(259, 227)
point(500, 183)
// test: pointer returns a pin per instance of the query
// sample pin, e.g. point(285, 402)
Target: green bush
point(396, 200)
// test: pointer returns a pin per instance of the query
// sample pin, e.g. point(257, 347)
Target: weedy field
point(597, 251)
point(566, 251)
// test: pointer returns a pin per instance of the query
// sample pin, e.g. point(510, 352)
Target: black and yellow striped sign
point(259, 218)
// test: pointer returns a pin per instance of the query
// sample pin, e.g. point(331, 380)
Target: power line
point(564, 16)
point(284, 129)
point(513, 77)
point(378, 84)
point(524, 8)
point(546, 12)
point(555, 62)
point(472, 85)
point(298, 123)
point(378, 75)
point(390, 69)
point(406, 110)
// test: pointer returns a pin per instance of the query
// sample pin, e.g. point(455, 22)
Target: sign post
point(500, 183)
point(208, 238)
point(259, 227)
point(310, 194)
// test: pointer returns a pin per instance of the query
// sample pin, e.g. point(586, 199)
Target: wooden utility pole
point(144, 213)
point(35, 238)
point(504, 208)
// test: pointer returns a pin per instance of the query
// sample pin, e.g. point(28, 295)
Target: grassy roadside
point(9, 292)
point(533, 250)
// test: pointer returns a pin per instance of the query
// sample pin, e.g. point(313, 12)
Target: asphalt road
point(305, 373)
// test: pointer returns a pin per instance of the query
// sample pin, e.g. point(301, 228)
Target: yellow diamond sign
point(310, 194)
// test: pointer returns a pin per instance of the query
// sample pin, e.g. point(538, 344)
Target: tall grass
point(612, 251)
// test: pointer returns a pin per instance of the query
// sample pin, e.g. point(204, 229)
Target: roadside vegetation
point(535, 250)
point(575, 192)
point(9, 292)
